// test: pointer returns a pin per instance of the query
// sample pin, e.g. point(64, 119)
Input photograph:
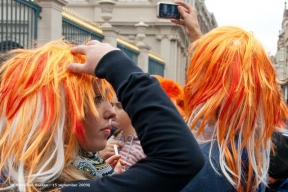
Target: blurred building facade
point(281, 59)
point(136, 21)
point(158, 46)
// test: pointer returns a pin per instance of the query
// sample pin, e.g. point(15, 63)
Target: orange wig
point(231, 83)
point(42, 106)
point(174, 91)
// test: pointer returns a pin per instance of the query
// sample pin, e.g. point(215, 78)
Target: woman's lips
point(107, 130)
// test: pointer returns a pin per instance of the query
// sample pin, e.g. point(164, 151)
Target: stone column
point(182, 59)
point(179, 59)
point(143, 58)
point(174, 61)
point(165, 51)
point(141, 30)
point(50, 26)
point(109, 32)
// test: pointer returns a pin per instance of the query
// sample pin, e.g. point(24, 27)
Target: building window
point(76, 33)
point(282, 54)
point(155, 67)
point(129, 52)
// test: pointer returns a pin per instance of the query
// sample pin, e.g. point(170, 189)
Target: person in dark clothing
point(51, 120)
point(173, 155)
point(278, 168)
point(233, 104)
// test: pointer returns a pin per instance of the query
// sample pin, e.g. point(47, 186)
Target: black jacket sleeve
point(278, 168)
point(173, 155)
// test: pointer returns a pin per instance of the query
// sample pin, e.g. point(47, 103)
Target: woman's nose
point(109, 111)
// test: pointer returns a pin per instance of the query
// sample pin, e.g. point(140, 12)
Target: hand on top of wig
point(94, 51)
point(116, 163)
point(188, 20)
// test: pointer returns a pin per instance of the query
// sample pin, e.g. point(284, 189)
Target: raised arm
point(173, 155)
point(188, 20)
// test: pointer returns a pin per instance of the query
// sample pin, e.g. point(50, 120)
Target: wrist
point(195, 36)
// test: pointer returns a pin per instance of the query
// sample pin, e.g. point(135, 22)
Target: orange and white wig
point(42, 106)
point(231, 84)
point(174, 91)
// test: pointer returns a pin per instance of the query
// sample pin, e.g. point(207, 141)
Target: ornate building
point(136, 21)
point(158, 46)
point(281, 59)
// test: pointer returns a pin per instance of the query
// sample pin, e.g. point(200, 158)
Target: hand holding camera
point(187, 18)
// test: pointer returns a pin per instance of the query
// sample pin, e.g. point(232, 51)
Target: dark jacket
point(173, 155)
point(278, 168)
point(207, 180)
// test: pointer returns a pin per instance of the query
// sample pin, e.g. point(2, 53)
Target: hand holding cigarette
point(115, 161)
point(109, 149)
point(116, 150)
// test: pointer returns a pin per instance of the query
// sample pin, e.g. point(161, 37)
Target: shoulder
point(217, 181)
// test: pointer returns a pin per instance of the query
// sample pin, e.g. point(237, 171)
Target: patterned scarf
point(93, 165)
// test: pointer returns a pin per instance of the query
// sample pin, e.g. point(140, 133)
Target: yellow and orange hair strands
point(42, 106)
point(231, 84)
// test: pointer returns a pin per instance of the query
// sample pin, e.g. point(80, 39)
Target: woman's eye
point(119, 106)
point(98, 98)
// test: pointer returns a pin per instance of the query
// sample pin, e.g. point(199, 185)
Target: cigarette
point(116, 150)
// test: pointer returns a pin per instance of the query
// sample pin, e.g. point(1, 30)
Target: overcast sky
point(263, 17)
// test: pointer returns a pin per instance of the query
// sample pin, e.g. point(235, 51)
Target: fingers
point(108, 151)
point(118, 168)
point(184, 6)
point(116, 163)
point(76, 68)
point(118, 143)
point(80, 49)
point(94, 51)
point(177, 21)
point(184, 11)
point(113, 158)
point(122, 162)
point(114, 142)
point(93, 42)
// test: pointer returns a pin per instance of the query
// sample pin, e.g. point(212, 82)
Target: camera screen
point(169, 11)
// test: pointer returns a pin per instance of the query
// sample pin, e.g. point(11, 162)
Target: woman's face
point(97, 129)
point(122, 120)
